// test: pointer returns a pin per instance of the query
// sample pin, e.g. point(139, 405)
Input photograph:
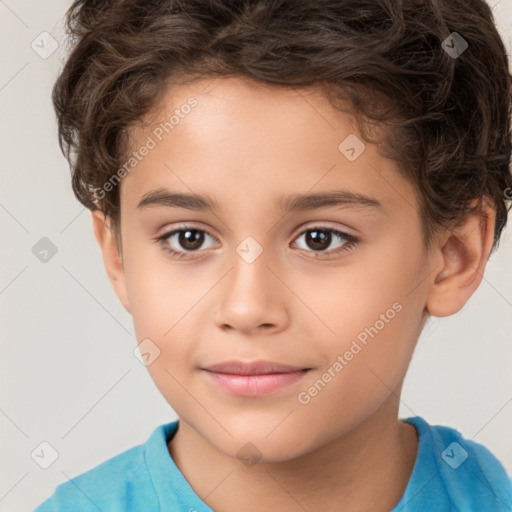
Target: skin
point(243, 145)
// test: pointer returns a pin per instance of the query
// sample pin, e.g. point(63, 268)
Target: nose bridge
point(252, 234)
point(250, 295)
point(251, 263)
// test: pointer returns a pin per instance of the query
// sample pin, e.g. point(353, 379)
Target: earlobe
point(112, 258)
point(463, 254)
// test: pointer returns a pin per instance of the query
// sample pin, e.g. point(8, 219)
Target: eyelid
point(327, 225)
point(168, 231)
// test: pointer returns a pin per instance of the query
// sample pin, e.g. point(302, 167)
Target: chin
point(253, 444)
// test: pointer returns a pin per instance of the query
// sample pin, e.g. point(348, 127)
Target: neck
point(367, 468)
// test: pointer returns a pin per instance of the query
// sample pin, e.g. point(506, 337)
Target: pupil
point(191, 239)
point(318, 239)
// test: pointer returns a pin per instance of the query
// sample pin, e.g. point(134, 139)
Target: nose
point(252, 298)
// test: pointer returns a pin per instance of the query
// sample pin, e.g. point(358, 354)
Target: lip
point(252, 367)
point(256, 378)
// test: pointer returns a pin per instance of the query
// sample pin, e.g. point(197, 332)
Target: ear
point(111, 256)
point(463, 254)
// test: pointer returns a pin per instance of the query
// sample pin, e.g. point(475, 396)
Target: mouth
point(255, 378)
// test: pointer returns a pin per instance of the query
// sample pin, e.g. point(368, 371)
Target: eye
point(188, 237)
point(319, 238)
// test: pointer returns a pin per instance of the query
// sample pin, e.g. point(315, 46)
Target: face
point(327, 293)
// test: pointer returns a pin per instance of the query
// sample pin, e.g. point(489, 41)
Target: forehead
point(235, 138)
point(244, 111)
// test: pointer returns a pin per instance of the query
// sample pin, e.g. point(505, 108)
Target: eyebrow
point(296, 202)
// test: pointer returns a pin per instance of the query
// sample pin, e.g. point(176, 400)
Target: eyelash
point(351, 240)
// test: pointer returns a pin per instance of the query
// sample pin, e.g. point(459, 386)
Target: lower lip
point(255, 385)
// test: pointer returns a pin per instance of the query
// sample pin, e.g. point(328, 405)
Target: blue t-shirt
point(450, 474)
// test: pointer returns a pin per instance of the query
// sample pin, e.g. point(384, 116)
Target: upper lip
point(252, 368)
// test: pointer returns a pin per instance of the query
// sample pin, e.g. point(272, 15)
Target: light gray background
point(68, 374)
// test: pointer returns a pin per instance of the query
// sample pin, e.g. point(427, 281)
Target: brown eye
point(191, 239)
point(186, 239)
point(319, 239)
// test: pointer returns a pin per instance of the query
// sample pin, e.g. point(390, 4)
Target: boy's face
point(259, 283)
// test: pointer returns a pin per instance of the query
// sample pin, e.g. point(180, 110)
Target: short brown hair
point(448, 114)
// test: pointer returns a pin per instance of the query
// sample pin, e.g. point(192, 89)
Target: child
point(283, 193)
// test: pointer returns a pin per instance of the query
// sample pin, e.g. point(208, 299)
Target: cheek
point(374, 317)
point(363, 369)
point(162, 310)
point(159, 296)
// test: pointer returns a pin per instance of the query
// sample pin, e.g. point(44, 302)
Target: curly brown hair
point(447, 114)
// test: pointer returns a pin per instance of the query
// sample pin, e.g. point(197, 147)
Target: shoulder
point(121, 483)
point(472, 476)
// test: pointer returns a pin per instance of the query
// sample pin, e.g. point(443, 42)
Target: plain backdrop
point(68, 374)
